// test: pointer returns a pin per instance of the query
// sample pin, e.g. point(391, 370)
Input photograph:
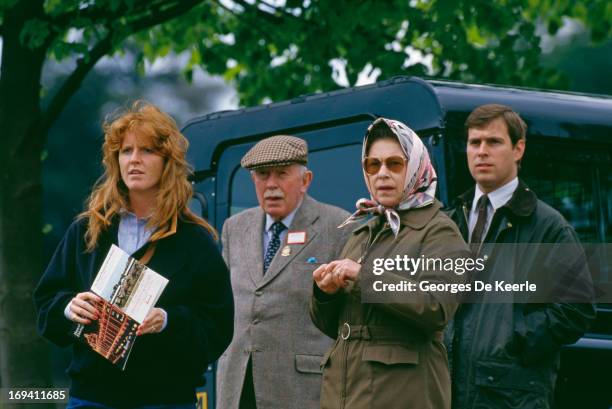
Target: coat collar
point(171, 231)
point(522, 203)
point(110, 234)
point(173, 243)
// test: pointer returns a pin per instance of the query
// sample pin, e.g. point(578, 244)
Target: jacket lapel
point(304, 221)
point(253, 243)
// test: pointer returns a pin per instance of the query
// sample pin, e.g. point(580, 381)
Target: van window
point(243, 192)
point(567, 187)
point(337, 180)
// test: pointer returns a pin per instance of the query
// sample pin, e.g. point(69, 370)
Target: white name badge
point(296, 237)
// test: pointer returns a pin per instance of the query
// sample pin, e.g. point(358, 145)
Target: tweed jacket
point(272, 324)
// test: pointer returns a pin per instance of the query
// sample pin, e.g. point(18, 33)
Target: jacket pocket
point(325, 359)
point(508, 374)
point(506, 384)
point(308, 363)
point(391, 354)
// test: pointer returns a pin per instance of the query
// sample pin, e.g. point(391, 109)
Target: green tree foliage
point(271, 50)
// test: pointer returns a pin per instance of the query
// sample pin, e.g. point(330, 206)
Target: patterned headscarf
point(419, 184)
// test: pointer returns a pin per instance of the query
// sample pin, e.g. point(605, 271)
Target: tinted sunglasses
point(395, 164)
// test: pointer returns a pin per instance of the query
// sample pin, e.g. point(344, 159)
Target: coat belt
point(384, 333)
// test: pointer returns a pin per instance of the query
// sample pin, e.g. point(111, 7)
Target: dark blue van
point(568, 163)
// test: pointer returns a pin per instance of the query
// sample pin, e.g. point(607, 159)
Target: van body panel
point(209, 135)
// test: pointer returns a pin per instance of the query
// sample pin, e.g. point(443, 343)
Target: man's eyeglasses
point(395, 164)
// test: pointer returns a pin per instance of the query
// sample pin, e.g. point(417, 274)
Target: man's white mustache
point(274, 194)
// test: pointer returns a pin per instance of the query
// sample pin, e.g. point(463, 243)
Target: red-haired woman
point(141, 200)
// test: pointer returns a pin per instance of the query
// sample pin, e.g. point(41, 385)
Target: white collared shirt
point(267, 233)
point(133, 232)
point(497, 199)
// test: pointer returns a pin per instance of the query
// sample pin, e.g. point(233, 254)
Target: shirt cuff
point(165, 320)
point(67, 310)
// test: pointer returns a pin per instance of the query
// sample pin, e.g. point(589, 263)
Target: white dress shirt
point(267, 233)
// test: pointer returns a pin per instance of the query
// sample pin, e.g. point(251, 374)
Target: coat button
point(485, 257)
point(255, 321)
point(490, 379)
point(258, 293)
point(509, 225)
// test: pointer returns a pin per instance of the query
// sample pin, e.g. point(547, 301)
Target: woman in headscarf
point(388, 351)
point(140, 205)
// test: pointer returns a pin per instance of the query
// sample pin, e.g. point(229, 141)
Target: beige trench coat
point(390, 355)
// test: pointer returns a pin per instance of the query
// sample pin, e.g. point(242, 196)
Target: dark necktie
point(479, 229)
point(274, 244)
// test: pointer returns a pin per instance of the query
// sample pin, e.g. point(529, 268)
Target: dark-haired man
point(504, 347)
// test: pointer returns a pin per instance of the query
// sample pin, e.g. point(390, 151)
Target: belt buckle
point(348, 334)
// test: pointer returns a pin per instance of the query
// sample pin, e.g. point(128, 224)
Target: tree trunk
point(24, 356)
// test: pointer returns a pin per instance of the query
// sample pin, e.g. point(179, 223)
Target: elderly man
point(505, 354)
point(272, 250)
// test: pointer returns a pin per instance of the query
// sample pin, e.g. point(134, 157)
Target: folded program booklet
point(129, 290)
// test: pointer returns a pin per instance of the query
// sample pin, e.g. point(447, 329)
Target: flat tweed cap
point(280, 150)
